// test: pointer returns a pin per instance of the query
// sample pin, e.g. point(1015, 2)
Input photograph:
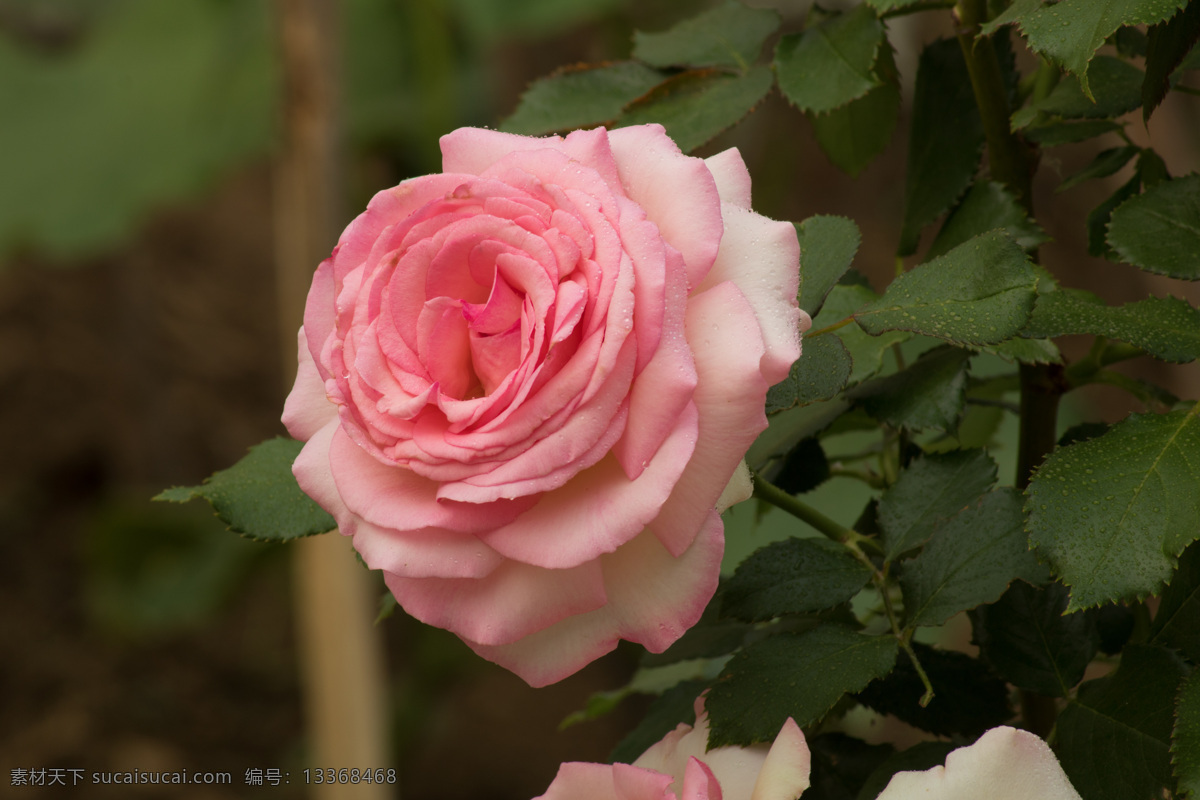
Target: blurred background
point(139, 348)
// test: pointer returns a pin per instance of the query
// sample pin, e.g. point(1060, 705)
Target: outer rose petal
point(679, 768)
point(1004, 764)
point(732, 177)
point(307, 409)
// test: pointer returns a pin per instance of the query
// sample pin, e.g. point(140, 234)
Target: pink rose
point(1003, 764)
point(679, 767)
point(526, 382)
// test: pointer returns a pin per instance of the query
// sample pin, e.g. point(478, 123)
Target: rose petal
point(733, 179)
point(677, 192)
point(307, 408)
point(1004, 764)
point(762, 258)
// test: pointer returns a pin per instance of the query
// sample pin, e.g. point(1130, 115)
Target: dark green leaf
point(1031, 642)
point(918, 758)
point(1114, 623)
point(1118, 90)
point(1166, 328)
point(1185, 739)
point(154, 102)
point(1167, 44)
point(945, 142)
point(1025, 351)
point(730, 35)
point(929, 394)
point(804, 469)
point(1016, 11)
point(1101, 215)
point(853, 135)
point(970, 560)
point(259, 497)
point(1055, 134)
point(800, 676)
point(671, 708)
point(967, 700)
point(1159, 230)
point(841, 763)
point(820, 374)
point(866, 351)
point(929, 491)
point(794, 576)
point(695, 106)
point(1177, 622)
point(1113, 738)
point(986, 207)
point(981, 292)
point(827, 248)
point(1106, 163)
point(1112, 514)
point(1071, 31)
point(576, 97)
point(830, 63)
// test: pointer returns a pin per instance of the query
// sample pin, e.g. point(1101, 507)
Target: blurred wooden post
point(341, 659)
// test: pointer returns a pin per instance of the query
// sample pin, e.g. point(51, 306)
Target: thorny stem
point(853, 541)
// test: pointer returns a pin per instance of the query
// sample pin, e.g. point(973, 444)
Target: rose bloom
point(526, 386)
point(680, 767)
point(1004, 764)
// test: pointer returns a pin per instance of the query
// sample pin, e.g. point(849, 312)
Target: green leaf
point(1185, 738)
point(986, 207)
point(1166, 328)
point(1159, 230)
point(1070, 32)
point(1031, 642)
point(1167, 45)
point(981, 292)
point(156, 100)
point(945, 142)
point(1112, 514)
point(970, 560)
point(1113, 738)
point(1099, 217)
point(671, 708)
point(1016, 11)
point(866, 351)
point(930, 490)
point(258, 497)
point(929, 394)
point(792, 675)
point(1177, 622)
point(577, 97)
point(695, 106)
point(1056, 134)
point(730, 35)
point(967, 700)
point(819, 374)
point(827, 248)
point(831, 63)
point(1104, 164)
point(1025, 351)
point(855, 134)
point(1118, 91)
point(794, 576)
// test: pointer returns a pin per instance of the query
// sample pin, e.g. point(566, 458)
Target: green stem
point(770, 493)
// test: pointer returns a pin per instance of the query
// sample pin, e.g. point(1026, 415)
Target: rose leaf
point(1112, 514)
point(970, 560)
point(930, 490)
point(866, 351)
point(987, 206)
point(827, 248)
point(793, 576)
point(258, 497)
point(819, 374)
point(1159, 230)
point(1113, 738)
point(1185, 738)
point(979, 293)
point(730, 35)
point(797, 675)
point(1030, 642)
point(576, 97)
point(854, 134)
point(1165, 327)
point(830, 63)
point(1177, 622)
